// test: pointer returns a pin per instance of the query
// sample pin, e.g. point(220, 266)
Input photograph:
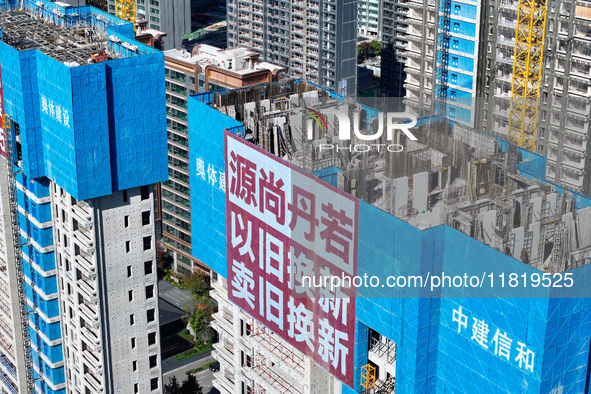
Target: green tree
point(198, 283)
point(173, 386)
point(361, 54)
point(191, 386)
point(376, 47)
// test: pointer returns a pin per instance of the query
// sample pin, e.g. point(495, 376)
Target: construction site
point(66, 171)
point(477, 183)
point(72, 36)
point(471, 190)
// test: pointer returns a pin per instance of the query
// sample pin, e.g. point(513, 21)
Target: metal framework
point(125, 9)
point(368, 376)
point(444, 38)
point(527, 72)
point(16, 233)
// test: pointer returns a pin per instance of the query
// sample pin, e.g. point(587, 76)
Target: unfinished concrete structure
point(79, 158)
point(453, 175)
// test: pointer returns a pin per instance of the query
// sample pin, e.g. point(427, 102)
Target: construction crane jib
point(527, 72)
point(125, 9)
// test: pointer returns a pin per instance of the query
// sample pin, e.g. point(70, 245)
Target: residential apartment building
point(207, 68)
point(78, 165)
point(315, 39)
point(370, 18)
point(170, 16)
point(423, 59)
point(474, 45)
point(563, 129)
point(417, 213)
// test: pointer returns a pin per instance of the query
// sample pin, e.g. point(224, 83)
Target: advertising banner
point(286, 226)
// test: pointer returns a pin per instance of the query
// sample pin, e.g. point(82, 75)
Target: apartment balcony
point(82, 210)
point(88, 291)
point(92, 360)
point(7, 347)
point(578, 126)
point(224, 324)
point(91, 316)
point(86, 267)
point(8, 366)
point(289, 359)
point(507, 41)
point(93, 382)
point(6, 328)
point(275, 381)
point(5, 308)
point(8, 384)
point(89, 338)
point(223, 354)
point(221, 382)
point(572, 179)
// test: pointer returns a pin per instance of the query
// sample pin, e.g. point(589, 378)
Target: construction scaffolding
point(18, 245)
point(368, 376)
point(442, 72)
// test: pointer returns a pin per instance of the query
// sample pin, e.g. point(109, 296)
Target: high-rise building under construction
point(455, 201)
point(78, 310)
point(458, 58)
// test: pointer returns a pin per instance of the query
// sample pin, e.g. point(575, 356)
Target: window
point(149, 291)
point(130, 295)
point(456, 27)
point(151, 315)
point(457, 9)
point(145, 218)
point(153, 362)
point(133, 343)
point(136, 388)
point(154, 384)
point(148, 268)
point(151, 338)
point(148, 242)
point(454, 61)
point(126, 220)
point(454, 78)
point(131, 320)
point(452, 112)
point(134, 366)
point(145, 192)
point(129, 271)
point(455, 44)
point(125, 198)
point(453, 95)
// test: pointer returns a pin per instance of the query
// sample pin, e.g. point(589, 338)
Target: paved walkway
point(171, 368)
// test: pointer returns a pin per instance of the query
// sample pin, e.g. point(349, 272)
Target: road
point(179, 369)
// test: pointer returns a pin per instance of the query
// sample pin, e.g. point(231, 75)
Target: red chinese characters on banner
point(3, 142)
point(284, 225)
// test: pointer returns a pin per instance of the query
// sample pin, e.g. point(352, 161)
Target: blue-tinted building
point(457, 58)
point(86, 110)
point(430, 221)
